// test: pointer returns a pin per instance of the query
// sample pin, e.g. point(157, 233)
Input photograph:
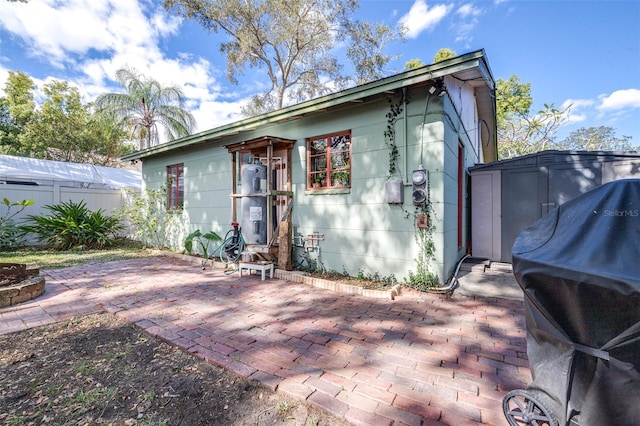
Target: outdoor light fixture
point(437, 88)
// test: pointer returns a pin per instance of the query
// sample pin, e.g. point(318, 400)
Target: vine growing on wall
point(147, 214)
point(395, 109)
point(423, 279)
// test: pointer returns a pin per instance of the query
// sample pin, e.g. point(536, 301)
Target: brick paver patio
point(419, 359)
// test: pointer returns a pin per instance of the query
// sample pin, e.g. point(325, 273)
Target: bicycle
point(231, 248)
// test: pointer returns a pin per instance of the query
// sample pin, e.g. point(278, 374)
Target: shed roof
point(472, 68)
point(547, 157)
point(36, 171)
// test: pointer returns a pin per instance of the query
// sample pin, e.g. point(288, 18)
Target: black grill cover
point(579, 268)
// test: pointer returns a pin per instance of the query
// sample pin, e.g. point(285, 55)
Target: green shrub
point(376, 278)
point(73, 225)
point(422, 280)
point(10, 234)
point(202, 239)
point(147, 214)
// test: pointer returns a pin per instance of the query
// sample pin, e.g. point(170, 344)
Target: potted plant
point(318, 180)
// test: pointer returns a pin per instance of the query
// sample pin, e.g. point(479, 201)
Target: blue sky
point(580, 53)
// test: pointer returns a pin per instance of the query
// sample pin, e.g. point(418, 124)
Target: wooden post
point(286, 228)
point(289, 173)
point(269, 211)
point(234, 187)
point(284, 244)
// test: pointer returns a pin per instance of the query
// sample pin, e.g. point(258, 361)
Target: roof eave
point(451, 66)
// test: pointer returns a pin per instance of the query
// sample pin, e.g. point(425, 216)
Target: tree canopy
point(519, 131)
point(17, 107)
point(413, 64)
point(56, 132)
point(444, 54)
point(513, 99)
point(62, 128)
point(602, 138)
point(366, 50)
point(65, 130)
point(293, 42)
point(145, 106)
point(19, 89)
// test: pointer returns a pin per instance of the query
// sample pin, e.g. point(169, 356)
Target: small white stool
point(257, 266)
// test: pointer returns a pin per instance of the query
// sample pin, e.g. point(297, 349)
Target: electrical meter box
point(394, 191)
point(419, 181)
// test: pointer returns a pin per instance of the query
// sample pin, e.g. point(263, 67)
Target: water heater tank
point(253, 209)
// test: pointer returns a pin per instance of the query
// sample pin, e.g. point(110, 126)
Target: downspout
point(406, 136)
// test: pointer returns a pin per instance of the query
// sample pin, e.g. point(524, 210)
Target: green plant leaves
point(72, 224)
point(202, 239)
point(10, 234)
point(147, 214)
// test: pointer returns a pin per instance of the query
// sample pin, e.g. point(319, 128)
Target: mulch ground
point(99, 369)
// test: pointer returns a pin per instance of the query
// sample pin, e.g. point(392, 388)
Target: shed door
point(524, 193)
point(531, 193)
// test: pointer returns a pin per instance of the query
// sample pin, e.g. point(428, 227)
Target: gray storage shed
point(509, 195)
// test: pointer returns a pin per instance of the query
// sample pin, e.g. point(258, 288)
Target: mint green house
point(358, 174)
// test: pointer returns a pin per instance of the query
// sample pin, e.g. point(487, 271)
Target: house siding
point(362, 231)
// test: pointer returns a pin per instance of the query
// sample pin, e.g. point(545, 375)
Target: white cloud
point(620, 99)
point(89, 40)
point(578, 110)
point(575, 118)
point(421, 17)
point(468, 15)
point(576, 104)
point(606, 107)
point(211, 114)
point(54, 29)
point(573, 106)
point(468, 10)
point(164, 24)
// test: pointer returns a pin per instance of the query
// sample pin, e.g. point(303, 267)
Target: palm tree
point(145, 105)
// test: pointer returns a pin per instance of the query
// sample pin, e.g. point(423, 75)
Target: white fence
point(109, 200)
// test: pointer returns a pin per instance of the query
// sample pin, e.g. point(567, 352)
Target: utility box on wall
point(394, 191)
point(422, 221)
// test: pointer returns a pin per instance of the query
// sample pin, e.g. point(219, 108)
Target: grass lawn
point(38, 257)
